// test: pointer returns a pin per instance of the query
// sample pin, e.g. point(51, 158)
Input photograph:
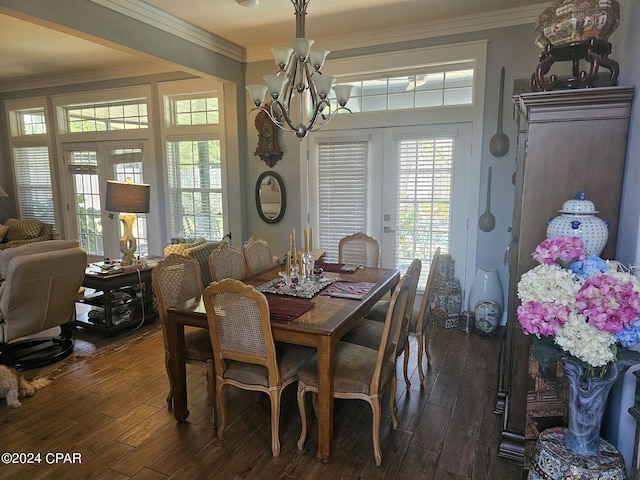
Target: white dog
point(13, 386)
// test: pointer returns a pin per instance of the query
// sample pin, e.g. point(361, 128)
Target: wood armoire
point(568, 141)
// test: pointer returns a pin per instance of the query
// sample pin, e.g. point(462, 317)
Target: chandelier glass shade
point(299, 78)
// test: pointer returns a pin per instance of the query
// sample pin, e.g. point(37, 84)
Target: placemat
point(286, 309)
point(353, 290)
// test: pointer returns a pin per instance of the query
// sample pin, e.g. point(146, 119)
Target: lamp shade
point(127, 197)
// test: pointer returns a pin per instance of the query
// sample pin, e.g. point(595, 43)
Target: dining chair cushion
point(290, 358)
point(368, 333)
point(197, 344)
point(379, 312)
point(354, 365)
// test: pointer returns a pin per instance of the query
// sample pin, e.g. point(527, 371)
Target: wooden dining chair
point(227, 262)
point(201, 253)
point(368, 332)
point(176, 279)
point(359, 249)
point(257, 255)
point(362, 373)
point(418, 322)
point(245, 352)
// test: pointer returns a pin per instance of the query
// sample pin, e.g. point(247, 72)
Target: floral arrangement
point(579, 307)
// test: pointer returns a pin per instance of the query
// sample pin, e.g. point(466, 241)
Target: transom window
point(416, 90)
point(194, 110)
point(107, 116)
point(30, 122)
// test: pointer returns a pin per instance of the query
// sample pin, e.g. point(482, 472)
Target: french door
point(89, 165)
point(425, 194)
point(407, 187)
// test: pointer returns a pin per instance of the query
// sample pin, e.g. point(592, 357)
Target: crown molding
point(86, 76)
point(407, 33)
point(166, 22)
point(162, 20)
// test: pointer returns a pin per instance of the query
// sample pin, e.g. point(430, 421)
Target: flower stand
point(553, 460)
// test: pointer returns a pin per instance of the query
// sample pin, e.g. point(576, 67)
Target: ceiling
point(29, 50)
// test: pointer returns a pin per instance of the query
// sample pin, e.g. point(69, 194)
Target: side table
point(553, 460)
point(121, 300)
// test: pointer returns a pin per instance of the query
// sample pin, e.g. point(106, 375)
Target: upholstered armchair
point(39, 291)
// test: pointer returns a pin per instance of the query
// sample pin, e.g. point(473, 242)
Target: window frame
point(169, 132)
point(19, 140)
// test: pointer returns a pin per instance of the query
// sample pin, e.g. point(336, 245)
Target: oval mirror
point(271, 199)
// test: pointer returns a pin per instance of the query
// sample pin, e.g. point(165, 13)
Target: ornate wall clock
point(268, 148)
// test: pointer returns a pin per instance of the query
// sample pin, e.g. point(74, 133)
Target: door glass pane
point(127, 166)
point(342, 192)
point(424, 198)
point(83, 166)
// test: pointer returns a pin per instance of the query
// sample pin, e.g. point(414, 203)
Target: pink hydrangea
point(609, 303)
point(559, 250)
point(542, 319)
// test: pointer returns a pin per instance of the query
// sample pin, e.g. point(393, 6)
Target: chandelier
point(299, 74)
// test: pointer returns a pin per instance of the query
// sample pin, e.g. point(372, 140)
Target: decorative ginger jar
point(568, 21)
point(488, 314)
point(578, 219)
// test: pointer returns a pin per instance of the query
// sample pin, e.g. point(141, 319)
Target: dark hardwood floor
point(107, 405)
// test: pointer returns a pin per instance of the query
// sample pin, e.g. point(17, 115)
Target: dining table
point(320, 327)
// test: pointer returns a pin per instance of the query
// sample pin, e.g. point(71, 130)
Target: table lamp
point(127, 198)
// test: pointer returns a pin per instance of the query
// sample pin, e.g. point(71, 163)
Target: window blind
point(33, 183)
point(195, 189)
point(424, 199)
point(342, 191)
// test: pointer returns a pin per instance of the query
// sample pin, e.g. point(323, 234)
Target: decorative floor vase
point(486, 286)
point(587, 401)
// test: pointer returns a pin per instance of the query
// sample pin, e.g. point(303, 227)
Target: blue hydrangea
point(589, 267)
point(630, 335)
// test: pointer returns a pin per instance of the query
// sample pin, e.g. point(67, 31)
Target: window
point(194, 110)
point(342, 191)
point(106, 116)
point(31, 122)
point(419, 90)
point(31, 162)
point(195, 189)
point(194, 150)
point(33, 183)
